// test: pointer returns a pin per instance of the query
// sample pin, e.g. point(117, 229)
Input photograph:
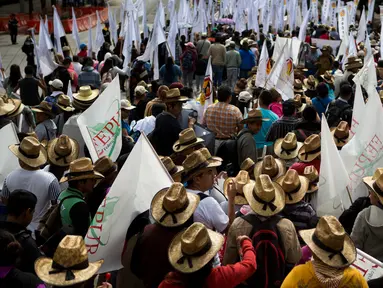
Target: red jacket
point(300, 166)
point(228, 276)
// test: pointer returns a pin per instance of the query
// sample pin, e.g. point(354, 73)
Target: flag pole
point(170, 52)
point(349, 194)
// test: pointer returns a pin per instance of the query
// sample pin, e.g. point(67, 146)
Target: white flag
point(122, 20)
point(144, 20)
point(129, 196)
point(343, 22)
point(358, 110)
point(75, 34)
point(304, 7)
point(128, 39)
point(350, 11)
point(99, 36)
point(367, 44)
point(69, 93)
point(90, 41)
point(292, 14)
point(325, 11)
point(173, 31)
point(8, 161)
point(367, 76)
point(162, 14)
point(302, 30)
point(332, 197)
point(46, 63)
point(362, 28)
point(58, 30)
point(370, 14)
point(100, 124)
point(333, 13)
point(112, 24)
point(381, 31)
point(206, 97)
point(314, 11)
point(264, 67)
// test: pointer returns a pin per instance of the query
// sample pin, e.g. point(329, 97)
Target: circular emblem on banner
point(342, 13)
point(289, 64)
point(268, 66)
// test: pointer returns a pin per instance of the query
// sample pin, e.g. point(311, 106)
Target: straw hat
point(240, 181)
point(173, 206)
point(174, 95)
point(269, 165)
point(195, 163)
point(294, 185)
point(353, 62)
point(375, 183)
point(63, 102)
point(311, 83)
point(311, 148)
point(248, 165)
point(330, 243)
point(328, 77)
point(19, 107)
point(81, 169)
point(62, 151)
point(298, 103)
point(6, 107)
point(105, 166)
point(186, 139)
point(311, 173)
point(253, 71)
point(254, 115)
point(287, 148)
point(300, 68)
point(298, 86)
point(266, 198)
point(69, 265)
point(144, 84)
point(193, 248)
point(44, 107)
point(30, 151)
point(86, 94)
point(214, 160)
point(126, 105)
point(341, 134)
point(173, 169)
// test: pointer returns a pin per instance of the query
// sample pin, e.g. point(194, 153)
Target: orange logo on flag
point(333, 5)
point(268, 66)
point(289, 64)
point(207, 89)
point(342, 13)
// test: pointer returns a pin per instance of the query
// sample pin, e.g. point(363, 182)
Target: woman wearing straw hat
point(333, 253)
point(191, 253)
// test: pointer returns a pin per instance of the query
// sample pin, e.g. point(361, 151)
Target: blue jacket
point(248, 59)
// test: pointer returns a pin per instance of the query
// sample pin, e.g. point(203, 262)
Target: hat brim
point(281, 169)
point(6, 109)
point(257, 207)
point(310, 157)
point(330, 81)
point(354, 65)
point(175, 253)
point(91, 97)
point(349, 250)
point(176, 99)
point(67, 108)
point(57, 159)
point(312, 188)
point(157, 210)
point(95, 175)
point(18, 111)
point(39, 110)
point(298, 196)
point(32, 162)
point(308, 86)
point(252, 119)
point(299, 90)
point(128, 108)
point(43, 266)
point(180, 170)
point(184, 147)
point(337, 142)
point(211, 163)
point(239, 199)
point(369, 182)
point(278, 150)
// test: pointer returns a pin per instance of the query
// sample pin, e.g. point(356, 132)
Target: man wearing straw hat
point(46, 128)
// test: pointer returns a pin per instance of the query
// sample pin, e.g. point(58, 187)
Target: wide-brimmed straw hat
point(254, 115)
point(19, 107)
point(186, 139)
point(353, 62)
point(294, 185)
point(312, 174)
point(86, 94)
point(239, 182)
point(248, 165)
point(300, 106)
point(193, 248)
point(30, 151)
point(62, 151)
point(173, 206)
point(6, 107)
point(266, 198)
point(173, 169)
point(105, 166)
point(81, 169)
point(174, 95)
point(330, 243)
point(269, 165)
point(311, 148)
point(287, 148)
point(328, 77)
point(341, 134)
point(298, 86)
point(44, 107)
point(63, 102)
point(311, 83)
point(195, 163)
point(211, 159)
point(69, 265)
point(375, 183)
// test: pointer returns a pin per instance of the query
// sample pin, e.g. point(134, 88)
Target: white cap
point(140, 90)
point(57, 83)
point(244, 97)
point(125, 104)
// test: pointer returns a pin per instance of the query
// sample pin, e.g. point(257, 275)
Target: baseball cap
point(244, 97)
point(125, 104)
point(57, 83)
point(140, 90)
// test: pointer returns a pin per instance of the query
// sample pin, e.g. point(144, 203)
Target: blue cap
point(82, 46)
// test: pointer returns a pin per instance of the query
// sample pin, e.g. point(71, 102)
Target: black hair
point(309, 113)
point(10, 249)
point(224, 93)
point(187, 91)
point(75, 58)
point(67, 61)
point(266, 97)
point(198, 278)
point(288, 107)
point(21, 200)
point(87, 61)
point(345, 90)
point(169, 69)
point(29, 69)
point(108, 64)
point(336, 64)
point(14, 75)
point(155, 86)
point(322, 90)
point(158, 108)
point(380, 63)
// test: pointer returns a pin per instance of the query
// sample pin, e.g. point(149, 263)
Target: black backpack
point(335, 114)
point(270, 255)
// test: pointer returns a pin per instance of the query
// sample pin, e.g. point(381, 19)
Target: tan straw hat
point(173, 206)
point(330, 243)
point(174, 95)
point(172, 168)
point(294, 185)
point(311, 173)
point(63, 102)
point(69, 265)
point(298, 103)
point(353, 62)
point(186, 139)
point(311, 83)
point(311, 148)
point(86, 94)
point(248, 165)
point(81, 169)
point(213, 160)
point(195, 163)
point(269, 165)
point(62, 151)
point(19, 107)
point(44, 107)
point(375, 183)
point(240, 181)
point(341, 134)
point(328, 77)
point(254, 115)
point(30, 151)
point(193, 248)
point(266, 198)
point(6, 107)
point(105, 166)
point(287, 148)
point(298, 86)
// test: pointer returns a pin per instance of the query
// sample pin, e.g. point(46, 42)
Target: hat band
point(265, 204)
point(332, 252)
point(186, 143)
point(69, 275)
point(377, 189)
point(188, 257)
point(195, 169)
point(109, 171)
point(76, 174)
point(172, 214)
point(288, 151)
point(32, 156)
point(311, 152)
point(296, 190)
point(341, 140)
point(173, 170)
point(63, 156)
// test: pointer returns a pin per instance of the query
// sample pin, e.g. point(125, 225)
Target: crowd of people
point(259, 229)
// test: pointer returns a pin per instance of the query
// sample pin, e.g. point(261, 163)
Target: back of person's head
point(155, 86)
point(266, 98)
point(186, 91)
point(345, 91)
point(158, 108)
point(20, 201)
point(380, 63)
point(288, 107)
point(75, 58)
point(336, 65)
point(28, 70)
point(88, 61)
point(309, 114)
point(224, 93)
point(322, 90)
point(67, 62)
point(10, 249)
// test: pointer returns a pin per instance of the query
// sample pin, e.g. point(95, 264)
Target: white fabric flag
point(58, 30)
point(263, 67)
point(314, 11)
point(69, 93)
point(46, 22)
point(99, 36)
point(280, 45)
point(325, 11)
point(90, 41)
point(304, 8)
point(122, 20)
point(367, 44)
point(343, 22)
point(332, 197)
point(367, 265)
point(350, 10)
point(381, 31)
point(370, 14)
point(9, 161)
point(173, 31)
point(162, 14)
point(362, 28)
point(129, 196)
point(112, 24)
point(367, 76)
point(358, 110)
point(75, 34)
point(333, 13)
point(130, 36)
point(144, 20)
point(292, 14)
point(206, 97)
point(100, 124)
point(44, 55)
point(302, 30)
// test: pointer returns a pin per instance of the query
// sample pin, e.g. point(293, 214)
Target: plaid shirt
point(223, 119)
point(89, 76)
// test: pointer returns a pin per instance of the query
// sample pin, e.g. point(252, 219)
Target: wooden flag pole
point(349, 194)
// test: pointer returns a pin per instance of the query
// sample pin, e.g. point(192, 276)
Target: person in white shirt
point(147, 124)
point(76, 65)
